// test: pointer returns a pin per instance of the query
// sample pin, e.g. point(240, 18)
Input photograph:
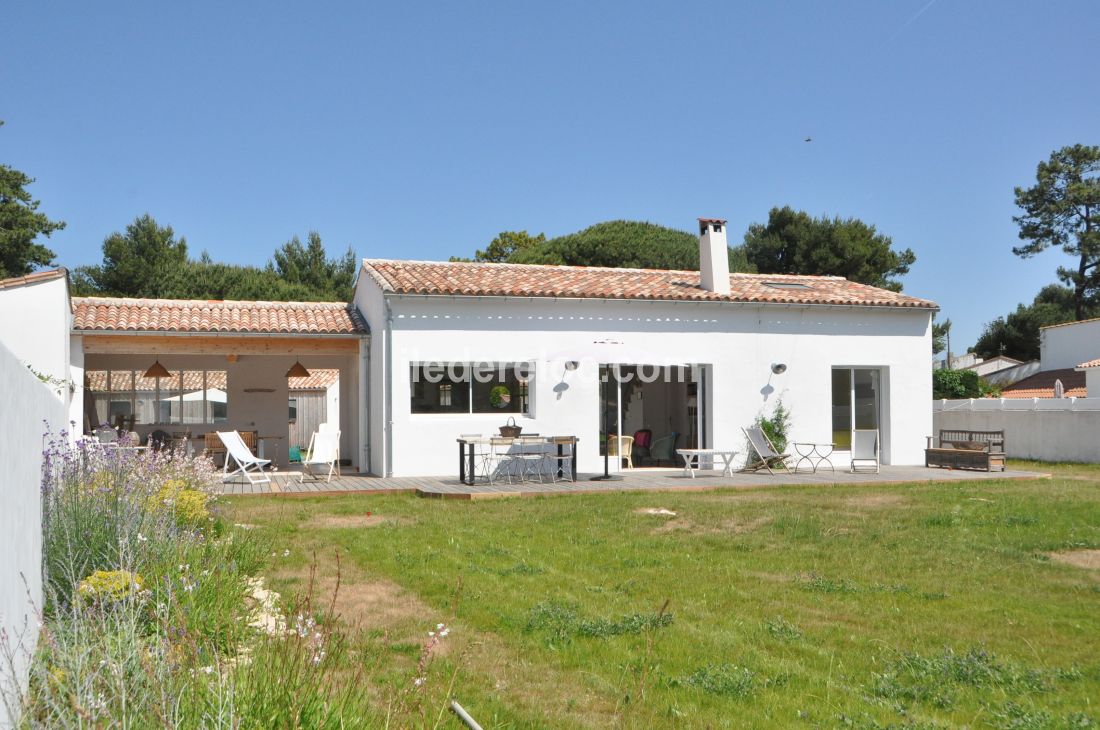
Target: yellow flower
point(190, 506)
point(111, 585)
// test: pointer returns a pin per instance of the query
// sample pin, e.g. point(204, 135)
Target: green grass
point(925, 605)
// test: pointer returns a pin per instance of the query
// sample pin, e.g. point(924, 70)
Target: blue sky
point(417, 130)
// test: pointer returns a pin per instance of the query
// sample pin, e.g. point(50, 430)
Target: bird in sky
point(809, 139)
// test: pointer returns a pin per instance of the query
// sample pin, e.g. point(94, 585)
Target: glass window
point(440, 388)
point(217, 398)
point(145, 398)
point(499, 388)
point(169, 391)
point(194, 396)
point(855, 403)
point(189, 396)
point(293, 410)
point(463, 388)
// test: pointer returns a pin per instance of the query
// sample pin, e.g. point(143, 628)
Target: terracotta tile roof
point(584, 282)
point(96, 380)
point(33, 278)
point(110, 314)
point(1090, 364)
point(317, 380)
point(1041, 385)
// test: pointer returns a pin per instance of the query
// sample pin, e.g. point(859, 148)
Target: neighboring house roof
point(1069, 324)
point(1090, 364)
point(96, 380)
point(591, 282)
point(1041, 385)
point(109, 314)
point(1008, 362)
point(35, 278)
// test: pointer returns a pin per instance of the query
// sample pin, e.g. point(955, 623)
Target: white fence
point(1049, 429)
point(26, 407)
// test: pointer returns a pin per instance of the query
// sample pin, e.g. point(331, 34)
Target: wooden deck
point(287, 484)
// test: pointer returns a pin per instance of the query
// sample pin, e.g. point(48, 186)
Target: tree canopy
point(147, 260)
point(1017, 334)
point(793, 242)
point(616, 244)
point(21, 224)
point(1063, 209)
point(506, 245)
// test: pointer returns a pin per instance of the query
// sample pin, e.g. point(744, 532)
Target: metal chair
point(558, 462)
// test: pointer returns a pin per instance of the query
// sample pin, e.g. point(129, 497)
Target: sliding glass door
point(855, 403)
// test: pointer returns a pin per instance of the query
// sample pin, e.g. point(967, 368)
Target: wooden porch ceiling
point(121, 344)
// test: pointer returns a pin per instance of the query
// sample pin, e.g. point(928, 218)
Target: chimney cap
point(712, 220)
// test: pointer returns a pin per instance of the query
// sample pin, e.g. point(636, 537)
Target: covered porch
point(275, 375)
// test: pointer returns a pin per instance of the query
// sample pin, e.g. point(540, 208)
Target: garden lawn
point(934, 605)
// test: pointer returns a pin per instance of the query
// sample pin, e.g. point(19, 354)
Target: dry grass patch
point(340, 522)
point(1087, 559)
point(875, 501)
point(733, 526)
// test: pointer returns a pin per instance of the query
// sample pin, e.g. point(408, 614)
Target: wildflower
point(142, 538)
point(419, 681)
point(111, 585)
point(286, 553)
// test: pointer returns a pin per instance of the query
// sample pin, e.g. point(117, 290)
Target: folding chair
point(865, 450)
point(246, 462)
point(766, 453)
point(324, 450)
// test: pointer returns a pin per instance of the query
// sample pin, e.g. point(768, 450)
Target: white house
point(446, 336)
point(429, 351)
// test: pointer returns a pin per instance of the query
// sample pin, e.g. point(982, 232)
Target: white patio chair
point(246, 462)
point(865, 450)
point(324, 450)
point(331, 428)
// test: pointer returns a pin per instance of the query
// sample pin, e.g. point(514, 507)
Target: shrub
point(951, 384)
point(111, 585)
point(777, 426)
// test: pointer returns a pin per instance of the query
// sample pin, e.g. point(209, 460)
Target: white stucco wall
point(369, 300)
point(267, 413)
point(1092, 382)
point(35, 321)
point(28, 408)
point(739, 343)
point(1069, 345)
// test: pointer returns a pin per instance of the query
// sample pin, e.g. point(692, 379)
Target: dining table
point(467, 453)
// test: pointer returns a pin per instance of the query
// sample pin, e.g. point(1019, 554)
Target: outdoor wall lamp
point(779, 368)
point(572, 365)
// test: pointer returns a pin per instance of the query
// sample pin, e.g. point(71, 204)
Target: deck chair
point(324, 451)
point(865, 450)
point(247, 464)
point(766, 454)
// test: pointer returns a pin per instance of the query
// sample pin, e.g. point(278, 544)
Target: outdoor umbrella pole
point(606, 476)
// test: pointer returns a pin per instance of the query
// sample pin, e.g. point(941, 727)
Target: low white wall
point(27, 409)
point(1064, 429)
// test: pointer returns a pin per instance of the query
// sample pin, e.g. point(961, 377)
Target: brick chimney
point(714, 263)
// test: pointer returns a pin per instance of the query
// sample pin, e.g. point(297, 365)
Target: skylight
point(785, 285)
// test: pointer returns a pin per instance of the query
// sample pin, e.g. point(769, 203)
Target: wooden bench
point(961, 449)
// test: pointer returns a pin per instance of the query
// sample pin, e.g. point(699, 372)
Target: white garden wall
point(1047, 429)
point(28, 408)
